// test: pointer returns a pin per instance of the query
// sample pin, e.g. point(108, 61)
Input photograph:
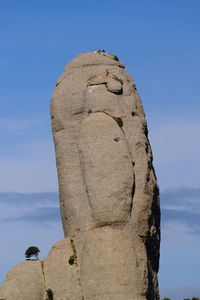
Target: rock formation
point(30, 280)
point(109, 197)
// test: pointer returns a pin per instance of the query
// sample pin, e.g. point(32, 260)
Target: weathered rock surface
point(108, 191)
point(24, 281)
point(109, 197)
point(31, 279)
point(60, 276)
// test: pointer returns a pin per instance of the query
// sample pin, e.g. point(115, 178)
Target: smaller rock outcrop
point(24, 281)
point(30, 280)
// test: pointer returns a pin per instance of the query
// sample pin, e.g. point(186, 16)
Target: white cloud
point(12, 126)
point(33, 207)
point(181, 200)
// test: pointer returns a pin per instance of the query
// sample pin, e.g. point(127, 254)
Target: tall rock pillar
point(109, 196)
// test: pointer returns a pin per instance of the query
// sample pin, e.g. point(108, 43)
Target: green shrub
point(32, 251)
point(71, 260)
point(115, 58)
point(49, 294)
point(118, 79)
point(119, 121)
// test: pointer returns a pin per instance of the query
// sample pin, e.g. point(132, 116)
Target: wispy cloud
point(12, 126)
point(42, 215)
point(181, 198)
point(181, 205)
point(28, 217)
point(28, 199)
point(32, 207)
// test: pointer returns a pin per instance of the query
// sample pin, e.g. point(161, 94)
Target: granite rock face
point(109, 198)
point(108, 190)
point(24, 281)
point(30, 280)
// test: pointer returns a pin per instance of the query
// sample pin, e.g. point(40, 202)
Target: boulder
point(24, 282)
point(30, 280)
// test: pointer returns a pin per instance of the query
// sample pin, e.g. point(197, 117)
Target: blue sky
point(159, 43)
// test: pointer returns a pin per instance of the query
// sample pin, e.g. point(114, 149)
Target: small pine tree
point(32, 251)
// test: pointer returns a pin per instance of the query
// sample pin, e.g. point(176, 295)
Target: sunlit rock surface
point(109, 197)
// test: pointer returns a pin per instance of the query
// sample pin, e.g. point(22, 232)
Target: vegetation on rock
point(49, 294)
point(119, 121)
point(118, 79)
point(32, 251)
point(115, 58)
point(73, 258)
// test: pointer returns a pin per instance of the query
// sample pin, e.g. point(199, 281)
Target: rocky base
point(30, 280)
